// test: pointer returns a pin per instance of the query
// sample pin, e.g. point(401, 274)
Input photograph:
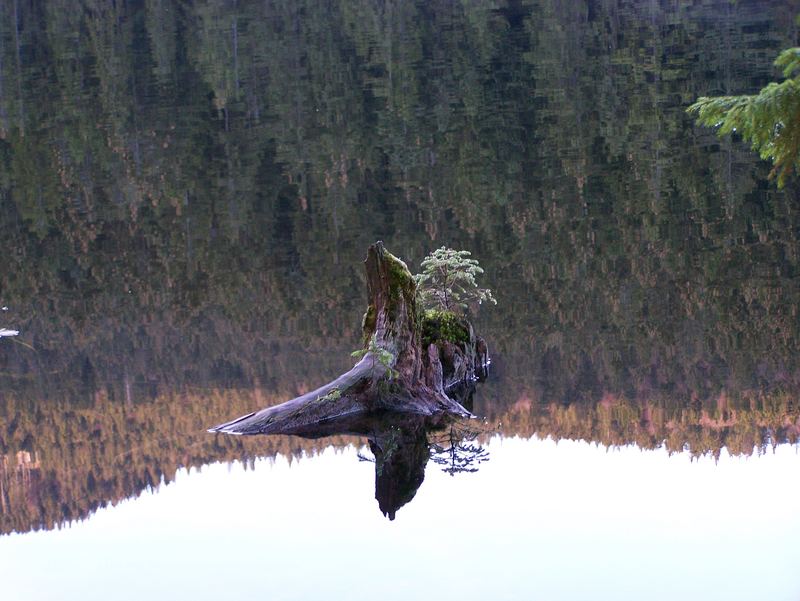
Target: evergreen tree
point(448, 280)
point(769, 120)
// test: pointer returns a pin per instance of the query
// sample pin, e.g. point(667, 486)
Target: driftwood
point(415, 381)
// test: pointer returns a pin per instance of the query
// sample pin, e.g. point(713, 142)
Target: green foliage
point(769, 120)
point(448, 280)
point(443, 325)
point(379, 354)
point(333, 395)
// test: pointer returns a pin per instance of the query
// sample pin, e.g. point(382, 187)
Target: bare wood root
point(411, 383)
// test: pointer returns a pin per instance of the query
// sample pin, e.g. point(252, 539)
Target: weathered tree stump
point(422, 369)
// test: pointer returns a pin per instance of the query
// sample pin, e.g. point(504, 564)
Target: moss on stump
point(443, 326)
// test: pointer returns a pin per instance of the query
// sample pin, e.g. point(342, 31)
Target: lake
point(187, 194)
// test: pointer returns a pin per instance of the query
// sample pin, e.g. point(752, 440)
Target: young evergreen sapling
point(448, 281)
point(381, 355)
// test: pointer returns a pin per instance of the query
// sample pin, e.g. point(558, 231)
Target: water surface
point(187, 191)
point(542, 520)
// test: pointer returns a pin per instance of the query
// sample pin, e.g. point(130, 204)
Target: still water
point(187, 192)
point(543, 520)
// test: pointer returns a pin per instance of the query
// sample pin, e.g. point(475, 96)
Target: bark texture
point(415, 380)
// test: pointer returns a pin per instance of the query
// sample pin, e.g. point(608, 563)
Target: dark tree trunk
point(413, 381)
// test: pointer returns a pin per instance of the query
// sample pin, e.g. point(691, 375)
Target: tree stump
point(416, 379)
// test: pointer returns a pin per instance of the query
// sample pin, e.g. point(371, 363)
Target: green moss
point(438, 326)
point(401, 286)
point(400, 278)
point(331, 396)
point(368, 323)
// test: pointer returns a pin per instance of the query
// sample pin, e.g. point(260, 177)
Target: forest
point(185, 187)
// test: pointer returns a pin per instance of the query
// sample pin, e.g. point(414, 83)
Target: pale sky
point(540, 520)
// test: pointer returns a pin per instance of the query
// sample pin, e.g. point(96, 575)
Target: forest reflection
point(61, 463)
point(187, 190)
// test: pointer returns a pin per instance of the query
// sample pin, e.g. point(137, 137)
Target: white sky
point(540, 520)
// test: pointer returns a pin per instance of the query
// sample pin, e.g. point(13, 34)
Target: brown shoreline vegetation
point(59, 464)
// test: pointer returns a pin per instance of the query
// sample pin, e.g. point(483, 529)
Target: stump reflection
point(402, 445)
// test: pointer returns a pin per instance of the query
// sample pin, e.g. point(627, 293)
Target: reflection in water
point(182, 184)
point(60, 462)
point(458, 451)
point(753, 423)
point(402, 444)
point(403, 450)
point(639, 524)
point(401, 454)
point(177, 198)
